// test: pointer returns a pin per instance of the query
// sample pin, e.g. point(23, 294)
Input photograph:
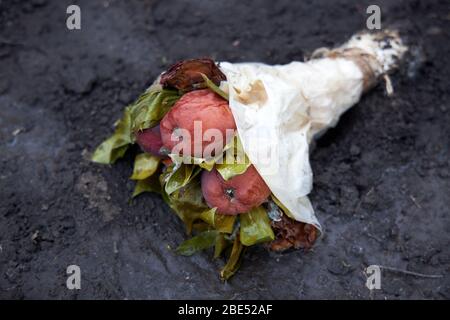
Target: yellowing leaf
point(180, 177)
point(115, 146)
point(207, 164)
point(233, 263)
point(220, 222)
point(187, 202)
point(203, 163)
point(282, 207)
point(228, 171)
point(146, 112)
point(212, 86)
point(235, 161)
point(202, 241)
point(151, 184)
point(224, 223)
point(220, 245)
point(208, 216)
point(255, 227)
point(151, 107)
point(145, 165)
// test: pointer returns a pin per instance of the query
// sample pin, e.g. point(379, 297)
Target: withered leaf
point(291, 233)
point(186, 75)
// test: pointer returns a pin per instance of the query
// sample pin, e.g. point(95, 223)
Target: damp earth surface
point(381, 177)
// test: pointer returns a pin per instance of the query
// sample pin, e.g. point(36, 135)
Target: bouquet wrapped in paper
point(227, 145)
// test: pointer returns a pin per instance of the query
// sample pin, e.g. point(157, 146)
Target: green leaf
point(200, 226)
point(180, 177)
point(255, 227)
point(187, 202)
point(151, 107)
point(224, 223)
point(145, 165)
point(209, 216)
point(234, 262)
point(146, 112)
point(115, 146)
point(220, 222)
point(202, 241)
point(235, 161)
point(228, 171)
point(207, 164)
point(220, 245)
point(203, 163)
point(212, 86)
point(150, 184)
point(189, 205)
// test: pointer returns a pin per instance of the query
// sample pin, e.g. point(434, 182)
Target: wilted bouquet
point(226, 145)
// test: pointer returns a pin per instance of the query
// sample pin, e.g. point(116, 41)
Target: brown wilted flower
point(186, 75)
point(291, 233)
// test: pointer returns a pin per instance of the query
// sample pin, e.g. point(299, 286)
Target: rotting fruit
point(236, 195)
point(198, 125)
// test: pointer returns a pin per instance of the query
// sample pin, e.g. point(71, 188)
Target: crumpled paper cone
point(279, 109)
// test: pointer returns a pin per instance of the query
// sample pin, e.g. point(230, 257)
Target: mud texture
point(382, 176)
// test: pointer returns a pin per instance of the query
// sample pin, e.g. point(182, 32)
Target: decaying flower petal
point(291, 233)
point(185, 75)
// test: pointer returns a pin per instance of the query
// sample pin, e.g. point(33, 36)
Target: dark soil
point(382, 177)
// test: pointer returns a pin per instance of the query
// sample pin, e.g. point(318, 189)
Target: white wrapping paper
point(279, 109)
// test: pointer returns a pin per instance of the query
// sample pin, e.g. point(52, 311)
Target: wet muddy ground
point(382, 176)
